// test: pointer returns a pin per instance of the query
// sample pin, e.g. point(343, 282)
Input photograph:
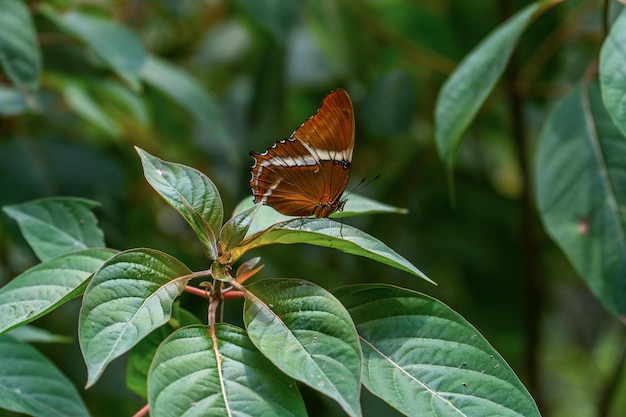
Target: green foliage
point(113, 43)
point(580, 144)
point(528, 105)
point(46, 286)
point(307, 334)
point(466, 90)
point(191, 193)
point(408, 338)
point(218, 371)
point(19, 53)
point(294, 329)
point(57, 226)
point(36, 386)
point(129, 296)
point(612, 74)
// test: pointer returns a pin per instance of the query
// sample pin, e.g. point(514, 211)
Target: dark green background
point(268, 64)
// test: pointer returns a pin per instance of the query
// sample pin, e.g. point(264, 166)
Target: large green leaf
point(356, 205)
point(58, 225)
point(467, 88)
point(212, 373)
point(129, 296)
point(307, 334)
point(425, 360)
point(113, 43)
point(44, 287)
point(140, 357)
point(613, 71)
point(193, 97)
point(581, 192)
point(330, 234)
point(19, 51)
point(191, 193)
point(31, 384)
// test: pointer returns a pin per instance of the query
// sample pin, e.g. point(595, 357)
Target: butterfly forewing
point(330, 132)
point(306, 174)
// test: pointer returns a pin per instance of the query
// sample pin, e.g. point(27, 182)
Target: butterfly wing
point(329, 134)
point(284, 178)
point(306, 174)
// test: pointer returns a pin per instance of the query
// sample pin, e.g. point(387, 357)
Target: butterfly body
point(306, 174)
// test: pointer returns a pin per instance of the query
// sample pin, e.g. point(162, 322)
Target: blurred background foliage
point(203, 82)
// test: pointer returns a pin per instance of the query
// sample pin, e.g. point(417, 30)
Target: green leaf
point(191, 193)
point(467, 88)
point(130, 296)
point(330, 234)
point(79, 99)
point(58, 225)
point(581, 192)
point(203, 373)
point(46, 286)
point(115, 44)
point(32, 334)
point(140, 357)
point(31, 384)
point(107, 104)
point(235, 229)
point(308, 335)
point(193, 97)
point(424, 359)
point(356, 205)
point(121, 102)
point(613, 71)
point(20, 55)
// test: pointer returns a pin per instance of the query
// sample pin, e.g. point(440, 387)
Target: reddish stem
point(196, 291)
point(143, 412)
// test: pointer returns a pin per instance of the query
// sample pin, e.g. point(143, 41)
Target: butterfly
point(306, 174)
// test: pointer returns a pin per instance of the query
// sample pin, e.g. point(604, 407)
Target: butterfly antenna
point(362, 184)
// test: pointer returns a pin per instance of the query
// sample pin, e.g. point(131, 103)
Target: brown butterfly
point(306, 174)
